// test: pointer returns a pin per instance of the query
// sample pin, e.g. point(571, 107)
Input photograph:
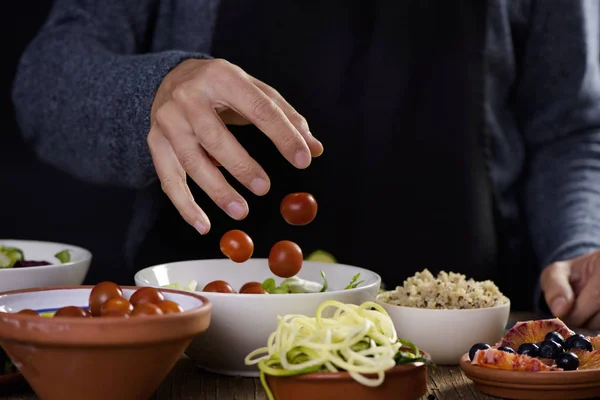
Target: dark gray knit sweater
point(85, 85)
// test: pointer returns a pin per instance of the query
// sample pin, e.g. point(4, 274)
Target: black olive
point(550, 349)
point(506, 349)
point(568, 361)
point(555, 336)
point(578, 341)
point(529, 349)
point(477, 346)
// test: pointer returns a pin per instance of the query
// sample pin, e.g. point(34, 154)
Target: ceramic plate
point(533, 385)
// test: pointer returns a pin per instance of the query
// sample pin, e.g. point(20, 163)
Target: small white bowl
point(241, 323)
point(448, 334)
point(68, 274)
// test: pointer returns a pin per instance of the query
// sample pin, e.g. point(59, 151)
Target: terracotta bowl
point(403, 382)
point(96, 358)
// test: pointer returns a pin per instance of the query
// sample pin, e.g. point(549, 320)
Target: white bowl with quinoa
point(446, 314)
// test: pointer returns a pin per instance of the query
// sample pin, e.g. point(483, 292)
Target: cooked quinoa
point(446, 291)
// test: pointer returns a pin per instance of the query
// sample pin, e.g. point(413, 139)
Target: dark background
point(37, 201)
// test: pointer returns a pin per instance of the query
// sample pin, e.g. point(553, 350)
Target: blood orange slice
point(533, 332)
point(498, 359)
point(588, 359)
point(595, 342)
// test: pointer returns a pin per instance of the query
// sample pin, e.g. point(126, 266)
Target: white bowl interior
point(448, 334)
point(236, 274)
point(241, 323)
point(72, 273)
point(45, 251)
point(51, 300)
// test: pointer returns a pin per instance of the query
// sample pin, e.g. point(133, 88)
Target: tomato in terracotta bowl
point(101, 342)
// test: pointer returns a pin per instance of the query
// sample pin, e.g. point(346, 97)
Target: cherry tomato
point(218, 286)
point(298, 208)
point(254, 290)
point(237, 245)
point(101, 293)
point(285, 259)
point(28, 311)
point(116, 303)
point(146, 309)
point(168, 307)
point(245, 286)
point(72, 311)
point(146, 295)
point(115, 312)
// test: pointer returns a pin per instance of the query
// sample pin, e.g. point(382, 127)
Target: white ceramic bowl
point(69, 274)
point(448, 334)
point(243, 322)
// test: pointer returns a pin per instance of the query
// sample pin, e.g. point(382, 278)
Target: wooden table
point(187, 382)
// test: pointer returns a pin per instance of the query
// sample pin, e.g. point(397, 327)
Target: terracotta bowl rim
point(206, 307)
point(443, 310)
point(342, 376)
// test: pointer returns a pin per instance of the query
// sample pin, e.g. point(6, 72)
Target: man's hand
point(188, 135)
point(572, 290)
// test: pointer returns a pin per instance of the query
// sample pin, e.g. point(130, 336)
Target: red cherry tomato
point(218, 286)
point(72, 311)
point(168, 307)
point(28, 311)
point(285, 259)
point(298, 208)
point(100, 294)
point(146, 309)
point(254, 290)
point(246, 285)
point(237, 245)
point(146, 295)
point(115, 312)
point(116, 303)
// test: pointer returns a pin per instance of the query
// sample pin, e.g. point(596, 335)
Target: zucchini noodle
point(358, 339)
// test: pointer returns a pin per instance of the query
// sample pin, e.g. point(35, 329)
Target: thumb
point(557, 288)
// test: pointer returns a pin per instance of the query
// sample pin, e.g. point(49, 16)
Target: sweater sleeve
point(85, 85)
point(558, 107)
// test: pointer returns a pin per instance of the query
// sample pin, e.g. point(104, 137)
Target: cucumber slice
point(321, 256)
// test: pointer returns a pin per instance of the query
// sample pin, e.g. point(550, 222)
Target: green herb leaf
point(325, 284)
point(354, 282)
point(269, 285)
point(63, 256)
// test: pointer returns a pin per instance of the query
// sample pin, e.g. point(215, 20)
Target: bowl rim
point(87, 255)
point(206, 305)
point(67, 331)
point(250, 295)
point(438, 310)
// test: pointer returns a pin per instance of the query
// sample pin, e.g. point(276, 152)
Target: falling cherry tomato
point(28, 311)
point(116, 303)
point(218, 286)
point(146, 295)
point(237, 245)
point(254, 290)
point(246, 285)
point(298, 208)
point(72, 311)
point(169, 307)
point(146, 310)
point(285, 259)
point(100, 294)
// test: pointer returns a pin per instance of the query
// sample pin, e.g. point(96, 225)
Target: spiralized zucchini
point(359, 340)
